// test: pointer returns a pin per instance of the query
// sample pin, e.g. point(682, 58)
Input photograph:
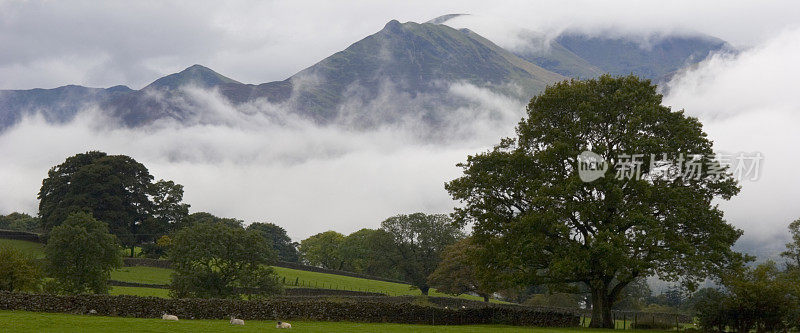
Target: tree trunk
point(424, 290)
point(132, 247)
point(601, 309)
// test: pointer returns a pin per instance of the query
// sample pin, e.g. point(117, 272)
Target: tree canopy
point(81, 254)
point(418, 242)
point(278, 240)
point(541, 223)
point(18, 272)
point(115, 189)
point(456, 273)
point(323, 250)
point(792, 253)
point(215, 260)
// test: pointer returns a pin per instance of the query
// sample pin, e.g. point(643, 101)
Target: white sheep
point(235, 321)
point(283, 325)
point(166, 316)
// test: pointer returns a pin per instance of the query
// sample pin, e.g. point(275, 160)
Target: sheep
point(235, 321)
point(283, 325)
point(166, 316)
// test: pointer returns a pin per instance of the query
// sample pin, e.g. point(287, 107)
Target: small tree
point(81, 253)
point(323, 250)
point(18, 272)
point(418, 241)
point(215, 260)
point(456, 273)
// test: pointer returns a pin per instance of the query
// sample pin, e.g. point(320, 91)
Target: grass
point(21, 321)
point(139, 291)
point(152, 275)
point(32, 248)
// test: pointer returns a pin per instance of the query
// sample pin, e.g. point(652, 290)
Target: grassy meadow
point(21, 321)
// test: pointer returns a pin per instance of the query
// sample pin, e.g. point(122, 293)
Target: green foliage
point(215, 260)
point(323, 250)
point(418, 242)
point(541, 224)
point(20, 222)
point(18, 271)
point(763, 298)
point(456, 273)
point(115, 189)
point(634, 296)
point(555, 300)
point(362, 253)
point(792, 253)
point(81, 254)
point(203, 217)
point(278, 240)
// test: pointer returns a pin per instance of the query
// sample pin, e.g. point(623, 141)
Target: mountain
point(580, 55)
point(402, 71)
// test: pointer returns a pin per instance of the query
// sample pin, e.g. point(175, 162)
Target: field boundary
point(355, 309)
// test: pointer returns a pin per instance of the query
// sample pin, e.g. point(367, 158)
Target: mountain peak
point(197, 75)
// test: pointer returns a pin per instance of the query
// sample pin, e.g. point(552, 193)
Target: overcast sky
point(311, 179)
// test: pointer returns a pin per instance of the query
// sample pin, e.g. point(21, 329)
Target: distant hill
point(403, 70)
point(582, 56)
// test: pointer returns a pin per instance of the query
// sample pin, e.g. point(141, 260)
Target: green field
point(152, 275)
point(20, 321)
point(32, 248)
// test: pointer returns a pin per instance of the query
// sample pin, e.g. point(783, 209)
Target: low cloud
point(258, 162)
point(748, 103)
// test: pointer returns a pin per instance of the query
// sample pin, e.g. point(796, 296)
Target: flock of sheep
point(234, 321)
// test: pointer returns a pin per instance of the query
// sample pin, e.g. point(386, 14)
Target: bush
point(355, 309)
point(18, 272)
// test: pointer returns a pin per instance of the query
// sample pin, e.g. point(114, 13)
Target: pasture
point(21, 321)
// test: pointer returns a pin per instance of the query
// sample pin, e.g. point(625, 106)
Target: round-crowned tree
point(216, 260)
point(541, 222)
point(81, 253)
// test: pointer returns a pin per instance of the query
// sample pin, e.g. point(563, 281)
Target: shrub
point(18, 272)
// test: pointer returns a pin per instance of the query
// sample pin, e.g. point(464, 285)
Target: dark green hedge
point(356, 309)
point(21, 235)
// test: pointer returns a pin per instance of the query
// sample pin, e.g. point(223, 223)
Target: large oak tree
point(541, 224)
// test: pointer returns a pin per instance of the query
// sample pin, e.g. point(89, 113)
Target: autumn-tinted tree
point(18, 272)
point(418, 242)
point(543, 224)
point(215, 260)
point(456, 273)
point(278, 240)
point(323, 250)
point(81, 254)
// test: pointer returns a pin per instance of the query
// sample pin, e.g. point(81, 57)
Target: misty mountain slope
point(555, 57)
point(413, 59)
point(56, 105)
point(622, 56)
point(195, 75)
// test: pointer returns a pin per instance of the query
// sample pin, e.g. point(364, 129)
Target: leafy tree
point(278, 239)
point(542, 224)
point(792, 253)
point(363, 252)
point(456, 273)
point(763, 297)
point(116, 189)
point(215, 260)
point(81, 254)
point(203, 217)
point(18, 272)
point(323, 250)
point(634, 296)
point(19, 222)
point(418, 242)
point(168, 210)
